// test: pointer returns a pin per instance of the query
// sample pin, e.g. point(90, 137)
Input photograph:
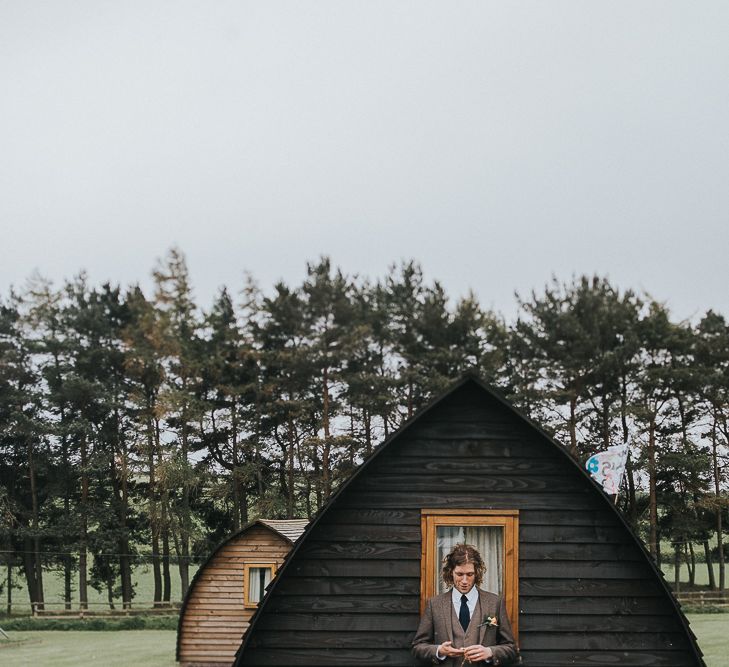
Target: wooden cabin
point(227, 589)
point(580, 587)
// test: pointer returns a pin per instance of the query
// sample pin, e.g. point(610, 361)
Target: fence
point(102, 610)
point(702, 599)
point(14, 598)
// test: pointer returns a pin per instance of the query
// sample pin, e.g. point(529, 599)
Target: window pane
point(258, 579)
point(489, 540)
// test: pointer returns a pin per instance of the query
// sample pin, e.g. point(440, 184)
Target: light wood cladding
point(214, 617)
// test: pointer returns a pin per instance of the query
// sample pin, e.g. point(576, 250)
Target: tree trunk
point(632, 505)
point(368, 431)
point(684, 420)
point(125, 572)
point(83, 592)
point(717, 491)
point(605, 416)
point(153, 514)
point(283, 469)
point(692, 565)
point(39, 573)
point(235, 488)
point(573, 426)
point(183, 563)
point(10, 584)
point(125, 566)
point(326, 450)
point(35, 563)
point(410, 398)
point(652, 498)
point(166, 577)
point(325, 402)
point(184, 568)
point(290, 473)
point(110, 590)
point(67, 581)
point(632, 512)
point(29, 567)
point(316, 475)
point(67, 493)
point(326, 487)
point(676, 567)
point(235, 476)
point(67, 560)
point(307, 497)
point(719, 532)
point(709, 565)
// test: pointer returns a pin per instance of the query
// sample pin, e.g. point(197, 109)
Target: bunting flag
point(607, 467)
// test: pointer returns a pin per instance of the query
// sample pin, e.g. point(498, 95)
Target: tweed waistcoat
point(470, 637)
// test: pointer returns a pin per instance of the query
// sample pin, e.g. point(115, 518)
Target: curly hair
point(459, 555)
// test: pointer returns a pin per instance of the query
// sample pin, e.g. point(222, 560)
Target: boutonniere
point(490, 621)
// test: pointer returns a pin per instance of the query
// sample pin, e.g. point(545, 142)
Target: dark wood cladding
point(588, 594)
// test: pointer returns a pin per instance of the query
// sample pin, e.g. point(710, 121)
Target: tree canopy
point(138, 425)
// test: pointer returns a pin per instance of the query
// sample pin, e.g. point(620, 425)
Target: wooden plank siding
point(588, 593)
point(214, 619)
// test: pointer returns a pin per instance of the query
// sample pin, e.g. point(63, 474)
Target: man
point(465, 624)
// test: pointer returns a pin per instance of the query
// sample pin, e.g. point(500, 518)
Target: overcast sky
point(498, 143)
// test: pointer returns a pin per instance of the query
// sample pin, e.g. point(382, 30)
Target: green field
point(153, 648)
point(147, 648)
point(701, 578)
point(712, 632)
point(53, 588)
point(142, 578)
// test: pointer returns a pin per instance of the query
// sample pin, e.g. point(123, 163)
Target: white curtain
point(489, 540)
point(258, 579)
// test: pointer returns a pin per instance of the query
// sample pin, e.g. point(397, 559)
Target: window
point(256, 576)
point(495, 533)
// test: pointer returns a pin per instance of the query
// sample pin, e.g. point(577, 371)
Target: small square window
point(255, 579)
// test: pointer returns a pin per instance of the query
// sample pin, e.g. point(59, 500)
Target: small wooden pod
point(226, 590)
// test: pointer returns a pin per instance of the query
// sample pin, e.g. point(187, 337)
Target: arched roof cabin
point(579, 585)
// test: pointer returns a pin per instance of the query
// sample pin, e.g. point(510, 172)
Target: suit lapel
point(485, 611)
point(444, 609)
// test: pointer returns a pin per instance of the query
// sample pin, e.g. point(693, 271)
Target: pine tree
point(25, 457)
point(288, 412)
point(331, 335)
point(179, 327)
point(653, 407)
point(579, 334)
point(52, 350)
point(145, 347)
point(712, 354)
point(229, 393)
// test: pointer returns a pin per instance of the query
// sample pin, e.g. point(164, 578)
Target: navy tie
point(463, 616)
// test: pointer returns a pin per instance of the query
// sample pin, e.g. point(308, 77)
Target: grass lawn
point(156, 648)
point(712, 632)
point(150, 648)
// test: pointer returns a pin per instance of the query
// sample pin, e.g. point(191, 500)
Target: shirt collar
point(471, 596)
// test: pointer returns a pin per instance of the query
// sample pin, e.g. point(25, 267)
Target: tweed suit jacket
point(436, 627)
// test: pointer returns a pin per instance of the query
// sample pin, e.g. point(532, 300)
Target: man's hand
point(447, 650)
point(477, 653)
